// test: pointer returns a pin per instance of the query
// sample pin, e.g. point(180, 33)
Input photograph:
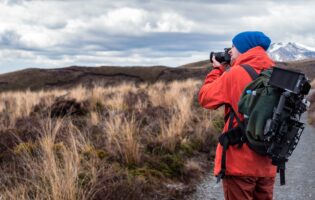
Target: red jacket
point(226, 88)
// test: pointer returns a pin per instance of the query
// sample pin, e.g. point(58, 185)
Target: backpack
point(272, 105)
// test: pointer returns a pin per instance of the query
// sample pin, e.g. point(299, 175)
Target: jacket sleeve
point(215, 90)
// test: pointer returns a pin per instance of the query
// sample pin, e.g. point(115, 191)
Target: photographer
point(245, 174)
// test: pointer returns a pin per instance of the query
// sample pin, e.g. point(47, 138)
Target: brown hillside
point(35, 79)
point(199, 64)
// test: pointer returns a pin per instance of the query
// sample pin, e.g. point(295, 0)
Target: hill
point(35, 79)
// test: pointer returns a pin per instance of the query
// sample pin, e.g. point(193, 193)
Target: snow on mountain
point(290, 51)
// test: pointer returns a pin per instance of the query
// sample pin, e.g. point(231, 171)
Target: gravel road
point(300, 174)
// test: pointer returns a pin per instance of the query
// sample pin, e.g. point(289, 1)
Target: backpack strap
point(233, 135)
point(253, 74)
point(232, 114)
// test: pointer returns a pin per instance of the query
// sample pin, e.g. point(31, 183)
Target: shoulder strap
point(239, 131)
point(253, 74)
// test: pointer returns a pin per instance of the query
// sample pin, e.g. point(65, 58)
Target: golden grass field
point(121, 142)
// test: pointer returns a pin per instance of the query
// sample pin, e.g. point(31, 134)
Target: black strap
point(282, 176)
point(253, 74)
point(232, 116)
point(226, 117)
point(224, 141)
point(239, 122)
point(281, 170)
point(233, 135)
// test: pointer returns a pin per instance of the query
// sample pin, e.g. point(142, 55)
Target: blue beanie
point(250, 39)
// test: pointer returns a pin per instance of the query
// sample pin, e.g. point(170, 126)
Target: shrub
point(122, 142)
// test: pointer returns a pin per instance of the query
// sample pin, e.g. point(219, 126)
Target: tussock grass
point(15, 105)
point(122, 139)
point(173, 131)
point(56, 170)
point(311, 109)
point(122, 142)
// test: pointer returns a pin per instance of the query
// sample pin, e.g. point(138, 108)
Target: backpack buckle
point(242, 139)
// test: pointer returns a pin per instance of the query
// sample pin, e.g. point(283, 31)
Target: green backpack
point(257, 104)
point(272, 105)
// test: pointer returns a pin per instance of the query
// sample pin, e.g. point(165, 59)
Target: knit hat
point(250, 39)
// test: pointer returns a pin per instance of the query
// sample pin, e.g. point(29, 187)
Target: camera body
point(221, 57)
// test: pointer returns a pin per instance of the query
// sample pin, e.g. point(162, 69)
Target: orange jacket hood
point(256, 57)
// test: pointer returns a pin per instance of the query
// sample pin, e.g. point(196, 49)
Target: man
point(246, 174)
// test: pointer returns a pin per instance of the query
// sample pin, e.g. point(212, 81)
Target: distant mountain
point(290, 51)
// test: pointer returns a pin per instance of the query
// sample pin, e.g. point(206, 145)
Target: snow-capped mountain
point(290, 51)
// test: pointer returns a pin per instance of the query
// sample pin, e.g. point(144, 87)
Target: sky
point(61, 33)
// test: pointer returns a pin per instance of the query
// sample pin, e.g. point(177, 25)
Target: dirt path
point(300, 174)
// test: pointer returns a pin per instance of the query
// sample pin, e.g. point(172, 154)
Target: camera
point(221, 57)
point(284, 129)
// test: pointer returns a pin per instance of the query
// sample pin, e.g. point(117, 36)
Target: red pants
point(248, 188)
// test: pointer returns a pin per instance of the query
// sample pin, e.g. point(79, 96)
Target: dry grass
point(122, 139)
point(132, 138)
point(311, 109)
point(180, 99)
point(14, 105)
point(54, 172)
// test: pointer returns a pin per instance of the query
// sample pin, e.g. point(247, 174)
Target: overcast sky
point(50, 34)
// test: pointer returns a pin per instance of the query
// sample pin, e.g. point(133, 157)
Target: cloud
point(10, 39)
point(140, 32)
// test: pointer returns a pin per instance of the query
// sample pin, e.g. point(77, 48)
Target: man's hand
point(215, 63)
